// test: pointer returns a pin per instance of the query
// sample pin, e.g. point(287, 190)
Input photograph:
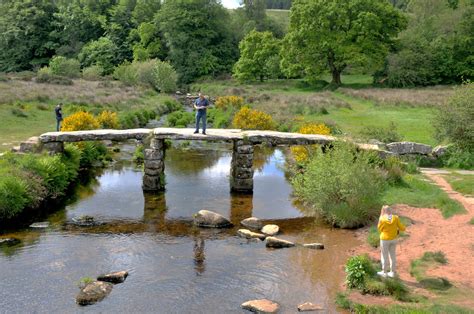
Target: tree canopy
point(334, 34)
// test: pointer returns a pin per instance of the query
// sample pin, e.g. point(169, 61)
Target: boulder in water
point(9, 241)
point(94, 292)
point(261, 306)
point(252, 223)
point(244, 233)
point(277, 243)
point(115, 277)
point(208, 219)
point(270, 230)
point(84, 221)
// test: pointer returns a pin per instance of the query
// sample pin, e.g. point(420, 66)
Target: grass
point(471, 222)
point(281, 17)
point(419, 266)
point(418, 193)
point(463, 184)
point(295, 102)
point(27, 108)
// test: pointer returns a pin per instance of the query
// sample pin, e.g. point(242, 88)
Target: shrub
point(456, 157)
point(220, 118)
point(19, 113)
point(179, 119)
point(62, 66)
point(45, 75)
point(126, 74)
point(91, 152)
point(315, 128)
point(358, 269)
point(80, 121)
point(108, 120)
point(373, 237)
point(102, 52)
point(388, 134)
point(138, 154)
point(252, 119)
point(165, 77)
point(14, 196)
point(300, 153)
point(227, 102)
point(342, 186)
point(394, 171)
point(454, 119)
point(92, 73)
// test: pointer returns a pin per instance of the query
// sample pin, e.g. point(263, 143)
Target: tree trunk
point(336, 77)
point(335, 71)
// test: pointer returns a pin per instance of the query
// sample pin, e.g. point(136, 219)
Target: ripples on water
point(174, 267)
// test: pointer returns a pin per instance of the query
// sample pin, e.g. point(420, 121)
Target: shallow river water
point(175, 267)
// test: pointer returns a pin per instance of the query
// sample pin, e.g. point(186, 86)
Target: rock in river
point(314, 246)
point(252, 223)
point(206, 218)
point(40, 225)
point(244, 233)
point(94, 292)
point(84, 221)
point(9, 241)
point(270, 230)
point(278, 243)
point(116, 277)
point(308, 307)
point(261, 306)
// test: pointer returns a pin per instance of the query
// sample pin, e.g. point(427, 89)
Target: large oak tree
point(334, 34)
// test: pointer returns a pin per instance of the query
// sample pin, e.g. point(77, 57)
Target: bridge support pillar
point(154, 166)
point(54, 148)
point(241, 172)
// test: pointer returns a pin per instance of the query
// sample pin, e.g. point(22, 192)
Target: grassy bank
point(417, 192)
point(28, 180)
point(463, 184)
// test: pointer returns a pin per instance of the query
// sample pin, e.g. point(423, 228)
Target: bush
point(394, 171)
point(93, 73)
point(454, 119)
point(300, 153)
point(19, 113)
point(358, 269)
point(45, 75)
point(91, 152)
point(342, 186)
point(179, 119)
point(126, 74)
point(165, 77)
point(456, 157)
point(108, 120)
point(373, 237)
point(62, 66)
point(220, 118)
point(388, 134)
point(226, 102)
point(80, 121)
point(251, 119)
point(315, 128)
point(14, 196)
point(138, 154)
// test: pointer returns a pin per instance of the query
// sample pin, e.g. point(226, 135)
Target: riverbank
point(429, 231)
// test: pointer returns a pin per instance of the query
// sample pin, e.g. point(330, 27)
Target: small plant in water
point(84, 281)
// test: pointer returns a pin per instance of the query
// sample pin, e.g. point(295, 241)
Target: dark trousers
point(58, 124)
point(201, 115)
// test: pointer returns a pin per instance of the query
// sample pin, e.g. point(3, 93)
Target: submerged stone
point(94, 292)
point(244, 233)
point(314, 246)
point(277, 243)
point(40, 225)
point(209, 219)
point(308, 307)
point(115, 277)
point(84, 221)
point(261, 306)
point(252, 223)
point(270, 230)
point(9, 241)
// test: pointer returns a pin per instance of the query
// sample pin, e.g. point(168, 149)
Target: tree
point(333, 34)
point(25, 27)
point(101, 52)
point(257, 51)
point(198, 37)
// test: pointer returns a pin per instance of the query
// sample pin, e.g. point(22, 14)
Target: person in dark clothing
point(201, 104)
point(59, 116)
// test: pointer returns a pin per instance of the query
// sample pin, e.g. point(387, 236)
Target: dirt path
point(431, 232)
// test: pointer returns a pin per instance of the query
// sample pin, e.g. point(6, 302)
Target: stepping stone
point(244, 233)
point(116, 277)
point(277, 243)
point(209, 219)
point(261, 306)
point(270, 230)
point(40, 225)
point(252, 223)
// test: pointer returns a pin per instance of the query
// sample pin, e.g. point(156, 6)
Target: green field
point(282, 17)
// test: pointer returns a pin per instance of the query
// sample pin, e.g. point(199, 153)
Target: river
point(175, 267)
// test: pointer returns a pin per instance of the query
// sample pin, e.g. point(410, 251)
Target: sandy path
point(431, 232)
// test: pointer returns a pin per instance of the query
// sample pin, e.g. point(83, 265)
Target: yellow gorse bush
point(252, 119)
point(301, 153)
point(108, 120)
point(80, 121)
point(226, 102)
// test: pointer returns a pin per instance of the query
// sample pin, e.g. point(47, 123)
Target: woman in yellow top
point(389, 227)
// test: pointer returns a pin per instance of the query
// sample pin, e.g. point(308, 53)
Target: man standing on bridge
point(201, 104)
point(59, 116)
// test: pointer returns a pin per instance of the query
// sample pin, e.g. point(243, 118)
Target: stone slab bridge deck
point(241, 179)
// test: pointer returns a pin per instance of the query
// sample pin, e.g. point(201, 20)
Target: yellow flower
point(80, 121)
